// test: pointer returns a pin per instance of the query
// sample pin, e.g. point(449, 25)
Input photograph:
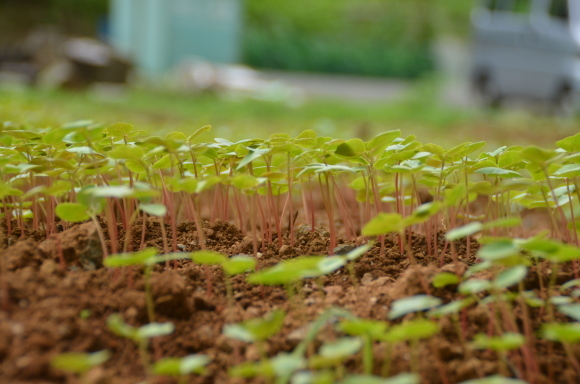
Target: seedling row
point(469, 208)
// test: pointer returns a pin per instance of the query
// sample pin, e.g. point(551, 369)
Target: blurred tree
point(374, 37)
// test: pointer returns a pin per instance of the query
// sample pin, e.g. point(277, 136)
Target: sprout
point(147, 259)
point(139, 335)
point(412, 304)
point(181, 367)
point(231, 267)
point(79, 363)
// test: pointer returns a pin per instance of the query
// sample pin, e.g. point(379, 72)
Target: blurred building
point(158, 34)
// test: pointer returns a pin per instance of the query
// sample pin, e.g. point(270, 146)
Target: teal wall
point(158, 34)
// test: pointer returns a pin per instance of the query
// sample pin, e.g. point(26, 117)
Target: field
point(288, 252)
point(420, 112)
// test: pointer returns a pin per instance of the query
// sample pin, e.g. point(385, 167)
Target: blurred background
point(342, 67)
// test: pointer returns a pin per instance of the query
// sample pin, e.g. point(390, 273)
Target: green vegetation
point(86, 171)
point(419, 112)
point(377, 38)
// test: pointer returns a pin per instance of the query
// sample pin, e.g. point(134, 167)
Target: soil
point(55, 297)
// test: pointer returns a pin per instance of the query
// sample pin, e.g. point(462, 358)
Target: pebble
point(367, 279)
point(247, 241)
point(252, 311)
point(224, 343)
point(48, 267)
point(200, 302)
point(252, 352)
point(285, 250)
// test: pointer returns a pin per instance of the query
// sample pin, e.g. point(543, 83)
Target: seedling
point(412, 304)
point(333, 354)
point(281, 366)
point(501, 345)
point(567, 334)
point(257, 330)
point(231, 267)
point(146, 259)
point(181, 367)
point(139, 336)
point(80, 363)
point(83, 171)
point(289, 272)
point(208, 258)
point(369, 331)
point(411, 331)
point(402, 378)
point(496, 379)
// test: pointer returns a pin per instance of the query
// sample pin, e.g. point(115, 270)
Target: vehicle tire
point(488, 93)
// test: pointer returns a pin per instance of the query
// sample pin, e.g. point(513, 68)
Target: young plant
point(369, 331)
point(146, 259)
point(88, 207)
point(80, 363)
point(411, 331)
point(495, 379)
point(281, 366)
point(257, 330)
point(334, 354)
point(181, 367)
point(385, 223)
point(402, 378)
point(566, 333)
point(232, 266)
point(501, 345)
point(288, 272)
point(140, 336)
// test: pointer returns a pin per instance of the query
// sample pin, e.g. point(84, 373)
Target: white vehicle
point(529, 49)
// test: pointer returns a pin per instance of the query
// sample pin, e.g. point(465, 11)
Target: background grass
point(419, 112)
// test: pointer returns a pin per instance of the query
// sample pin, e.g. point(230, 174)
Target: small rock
point(205, 335)
point(381, 281)
point(252, 312)
point(259, 255)
point(367, 279)
point(79, 244)
point(310, 301)
point(333, 294)
point(48, 267)
point(238, 295)
point(303, 230)
point(300, 333)
point(201, 303)
point(131, 313)
point(224, 343)
point(333, 289)
point(97, 375)
point(252, 353)
point(247, 241)
point(285, 250)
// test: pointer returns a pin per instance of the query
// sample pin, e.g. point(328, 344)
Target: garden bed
point(252, 262)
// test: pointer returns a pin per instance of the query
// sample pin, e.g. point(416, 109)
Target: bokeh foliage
point(371, 37)
point(349, 36)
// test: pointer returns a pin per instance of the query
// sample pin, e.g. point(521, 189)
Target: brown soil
point(55, 297)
